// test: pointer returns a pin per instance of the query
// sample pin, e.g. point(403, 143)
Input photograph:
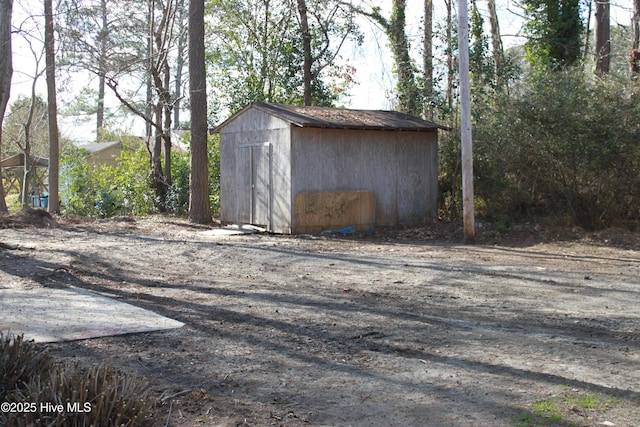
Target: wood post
point(465, 124)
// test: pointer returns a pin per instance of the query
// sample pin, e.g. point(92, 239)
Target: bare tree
point(156, 111)
point(180, 62)
point(26, 126)
point(602, 37)
point(325, 26)
point(163, 36)
point(25, 144)
point(199, 208)
point(6, 71)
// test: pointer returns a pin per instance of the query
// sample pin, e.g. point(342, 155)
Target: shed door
point(254, 179)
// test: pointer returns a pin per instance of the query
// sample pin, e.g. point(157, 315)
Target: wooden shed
point(308, 169)
point(104, 153)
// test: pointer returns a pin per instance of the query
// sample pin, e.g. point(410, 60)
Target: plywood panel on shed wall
point(399, 167)
point(318, 211)
point(253, 128)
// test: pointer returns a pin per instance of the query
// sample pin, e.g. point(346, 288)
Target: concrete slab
point(234, 230)
point(50, 315)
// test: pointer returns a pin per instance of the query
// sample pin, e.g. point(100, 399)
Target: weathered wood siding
point(106, 157)
point(399, 167)
point(246, 141)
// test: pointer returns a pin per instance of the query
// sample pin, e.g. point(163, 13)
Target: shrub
point(564, 147)
point(178, 195)
point(131, 179)
point(214, 172)
point(20, 361)
point(102, 396)
point(102, 191)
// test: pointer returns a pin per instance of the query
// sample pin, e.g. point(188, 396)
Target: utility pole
point(465, 124)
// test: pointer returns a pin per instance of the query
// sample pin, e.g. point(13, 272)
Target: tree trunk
point(407, 89)
point(100, 112)
point(177, 94)
point(102, 66)
point(636, 24)
point(634, 56)
point(306, 50)
point(160, 74)
point(427, 58)
point(602, 37)
point(394, 27)
point(6, 71)
point(199, 207)
point(54, 150)
point(450, 51)
point(587, 33)
point(157, 174)
point(496, 43)
point(166, 134)
point(26, 152)
point(26, 148)
point(149, 108)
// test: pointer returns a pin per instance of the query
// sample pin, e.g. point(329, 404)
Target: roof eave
point(302, 121)
point(372, 128)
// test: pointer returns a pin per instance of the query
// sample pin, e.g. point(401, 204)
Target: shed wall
point(106, 157)
point(255, 129)
point(400, 168)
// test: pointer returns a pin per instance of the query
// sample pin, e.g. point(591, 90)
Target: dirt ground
point(399, 327)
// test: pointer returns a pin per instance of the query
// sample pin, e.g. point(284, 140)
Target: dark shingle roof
point(336, 118)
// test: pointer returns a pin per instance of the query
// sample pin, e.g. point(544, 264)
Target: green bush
point(131, 182)
point(77, 183)
point(564, 146)
point(178, 194)
point(214, 172)
point(103, 191)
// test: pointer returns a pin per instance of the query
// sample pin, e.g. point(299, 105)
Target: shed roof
point(18, 161)
point(337, 118)
point(98, 147)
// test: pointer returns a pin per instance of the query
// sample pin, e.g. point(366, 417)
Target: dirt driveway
point(393, 328)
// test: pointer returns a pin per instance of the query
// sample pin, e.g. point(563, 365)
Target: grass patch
point(563, 409)
point(542, 412)
point(547, 408)
point(587, 401)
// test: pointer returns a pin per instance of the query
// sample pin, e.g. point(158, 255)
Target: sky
point(372, 59)
point(375, 77)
